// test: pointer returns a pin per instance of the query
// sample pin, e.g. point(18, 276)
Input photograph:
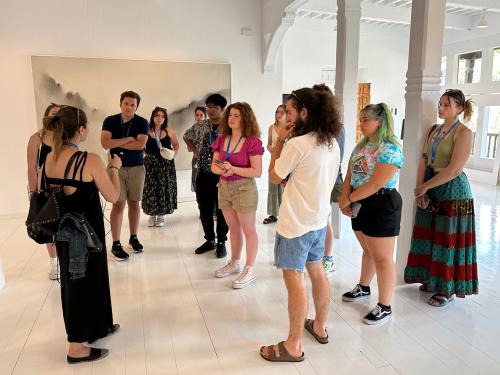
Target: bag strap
point(37, 168)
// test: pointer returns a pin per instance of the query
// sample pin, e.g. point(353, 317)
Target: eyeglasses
point(297, 97)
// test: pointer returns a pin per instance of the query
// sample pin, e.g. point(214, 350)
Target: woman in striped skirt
point(443, 248)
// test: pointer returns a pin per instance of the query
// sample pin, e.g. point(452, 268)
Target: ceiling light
point(482, 23)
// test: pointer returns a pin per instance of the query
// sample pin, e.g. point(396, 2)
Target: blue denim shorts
point(293, 254)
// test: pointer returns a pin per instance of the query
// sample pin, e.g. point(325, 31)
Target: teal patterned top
point(363, 162)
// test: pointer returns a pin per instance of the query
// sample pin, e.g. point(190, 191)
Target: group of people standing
point(306, 145)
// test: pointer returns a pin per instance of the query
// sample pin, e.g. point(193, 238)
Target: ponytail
point(64, 126)
point(468, 110)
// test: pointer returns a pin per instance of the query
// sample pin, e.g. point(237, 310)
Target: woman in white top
point(274, 192)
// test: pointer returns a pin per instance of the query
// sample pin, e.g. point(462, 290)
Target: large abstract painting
point(95, 86)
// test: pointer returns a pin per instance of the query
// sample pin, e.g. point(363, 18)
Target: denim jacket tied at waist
point(81, 238)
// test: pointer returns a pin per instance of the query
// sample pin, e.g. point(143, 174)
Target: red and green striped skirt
point(443, 247)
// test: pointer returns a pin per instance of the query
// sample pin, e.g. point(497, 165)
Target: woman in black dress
point(160, 185)
point(37, 150)
point(86, 301)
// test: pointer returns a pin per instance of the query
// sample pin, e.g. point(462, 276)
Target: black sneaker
point(380, 314)
point(207, 246)
point(220, 251)
point(135, 245)
point(118, 252)
point(356, 294)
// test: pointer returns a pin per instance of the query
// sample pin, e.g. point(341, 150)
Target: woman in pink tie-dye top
point(238, 160)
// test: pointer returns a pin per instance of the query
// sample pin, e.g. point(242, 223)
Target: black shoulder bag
point(45, 211)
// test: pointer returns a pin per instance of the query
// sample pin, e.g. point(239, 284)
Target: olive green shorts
point(240, 195)
point(131, 183)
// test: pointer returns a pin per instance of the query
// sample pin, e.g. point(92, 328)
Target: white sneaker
point(54, 271)
point(152, 221)
point(160, 221)
point(230, 268)
point(245, 278)
point(329, 266)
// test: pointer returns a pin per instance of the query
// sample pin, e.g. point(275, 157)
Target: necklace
point(70, 144)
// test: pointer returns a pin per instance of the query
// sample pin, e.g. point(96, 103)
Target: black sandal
point(94, 355)
point(270, 219)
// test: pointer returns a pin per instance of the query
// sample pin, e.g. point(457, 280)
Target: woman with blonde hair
point(275, 190)
point(370, 187)
point(443, 248)
point(39, 146)
point(238, 160)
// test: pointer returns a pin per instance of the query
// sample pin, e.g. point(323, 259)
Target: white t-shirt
point(306, 200)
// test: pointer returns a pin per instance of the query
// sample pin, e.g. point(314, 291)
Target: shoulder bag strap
point(37, 167)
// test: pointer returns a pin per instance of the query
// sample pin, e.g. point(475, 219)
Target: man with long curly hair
point(309, 162)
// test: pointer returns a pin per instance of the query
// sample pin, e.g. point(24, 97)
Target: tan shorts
point(131, 182)
point(240, 195)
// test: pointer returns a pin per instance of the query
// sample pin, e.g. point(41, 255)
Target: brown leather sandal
point(278, 353)
point(309, 326)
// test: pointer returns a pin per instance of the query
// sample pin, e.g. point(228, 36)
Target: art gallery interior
point(175, 317)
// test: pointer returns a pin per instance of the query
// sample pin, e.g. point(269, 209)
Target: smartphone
point(355, 207)
point(220, 164)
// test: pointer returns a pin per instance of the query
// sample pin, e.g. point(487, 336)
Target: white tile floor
point(178, 319)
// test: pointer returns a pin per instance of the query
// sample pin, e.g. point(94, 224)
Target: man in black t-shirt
point(125, 134)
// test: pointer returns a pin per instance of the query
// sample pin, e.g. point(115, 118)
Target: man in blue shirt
point(125, 134)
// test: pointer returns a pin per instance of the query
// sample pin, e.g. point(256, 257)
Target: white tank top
point(274, 136)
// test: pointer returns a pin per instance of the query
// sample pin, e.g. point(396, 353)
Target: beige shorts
point(131, 182)
point(240, 195)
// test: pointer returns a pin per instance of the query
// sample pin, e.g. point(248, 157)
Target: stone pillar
point(422, 96)
point(346, 68)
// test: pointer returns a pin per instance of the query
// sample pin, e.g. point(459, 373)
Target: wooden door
point(363, 101)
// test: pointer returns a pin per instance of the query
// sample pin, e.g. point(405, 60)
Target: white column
point(422, 95)
point(346, 68)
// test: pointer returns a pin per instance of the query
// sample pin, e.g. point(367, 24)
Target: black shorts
point(380, 214)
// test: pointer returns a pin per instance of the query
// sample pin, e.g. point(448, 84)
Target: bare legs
point(242, 224)
point(116, 218)
point(378, 258)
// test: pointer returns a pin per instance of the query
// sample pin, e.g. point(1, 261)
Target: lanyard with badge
point(438, 138)
point(129, 126)
point(122, 151)
point(228, 153)
point(214, 133)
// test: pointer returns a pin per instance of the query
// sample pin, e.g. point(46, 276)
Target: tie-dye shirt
point(363, 162)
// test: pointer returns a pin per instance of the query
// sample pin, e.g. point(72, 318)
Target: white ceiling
point(461, 15)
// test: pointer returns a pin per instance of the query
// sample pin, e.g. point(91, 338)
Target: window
point(443, 70)
point(496, 64)
point(490, 147)
point(469, 67)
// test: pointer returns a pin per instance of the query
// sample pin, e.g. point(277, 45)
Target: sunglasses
point(297, 97)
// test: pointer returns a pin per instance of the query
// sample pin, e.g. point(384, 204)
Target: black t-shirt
point(119, 129)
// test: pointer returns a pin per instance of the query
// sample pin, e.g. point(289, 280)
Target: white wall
point(383, 60)
point(173, 30)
